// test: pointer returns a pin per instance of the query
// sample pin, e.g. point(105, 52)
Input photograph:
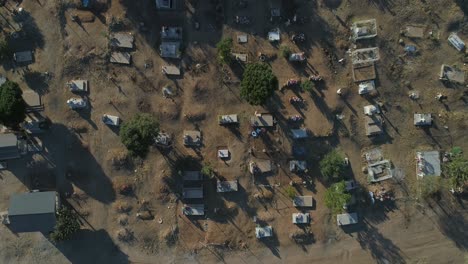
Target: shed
point(227, 186)
point(371, 110)
point(373, 125)
point(165, 4)
point(9, 147)
point(192, 176)
point(274, 35)
point(228, 119)
point(193, 209)
point(121, 57)
point(242, 57)
point(364, 29)
point(297, 165)
point(379, 171)
point(242, 38)
point(366, 87)
point(260, 166)
point(261, 232)
point(299, 133)
point(193, 193)
point(170, 50)
point(347, 219)
point(171, 33)
point(192, 138)
point(303, 201)
point(448, 73)
point(78, 85)
point(170, 70)
point(422, 119)
point(428, 163)
point(23, 56)
point(223, 153)
point(111, 120)
point(300, 218)
point(456, 42)
point(122, 40)
point(262, 120)
point(34, 211)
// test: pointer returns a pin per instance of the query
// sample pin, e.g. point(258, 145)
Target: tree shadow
point(272, 243)
point(33, 37)
point(37, 81)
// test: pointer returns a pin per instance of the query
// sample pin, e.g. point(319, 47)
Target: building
point(300, 218)
point(428, 163)
point(297, 165)
point(171, 70)
point(9, 147)
point(262, 232)
point(192, 176)
point(371, 110)
point(422, 119)
point(23, 56)
point(193, 193)
point(193, 209)
point(451, 74)
point(192, 138)
point(379, 171)
point(228, 119)
point(260, 166)
point(34, 211)
point(122, 40)
point(121, 58)
point(262, 120)
point(303, 201)
point(166, 4)
point(347, 219)
point(78, 85)
point(171, 33)
point(366, 87)
point(170, 50)
point(227, 186)
point(373, 125)
point(299, 133)
point(456, 42)
point(364, 29)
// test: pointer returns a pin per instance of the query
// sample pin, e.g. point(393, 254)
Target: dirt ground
point(84, 158)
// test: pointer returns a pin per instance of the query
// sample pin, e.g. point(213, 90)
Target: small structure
point(193, 209)
point(122, 40)
point(165, 4)
point(422, 119)
point(242, 57)
point(371, 110)
point(379, 171)
point(428, 163)
point(299, 133)
point(171, 33)
point(451, 74)
point(78, 85)
point(364, 29)
point(414, 31)
point(363, 72)
point(347, 219)
point(170, 50)
point(193, 193)
point(297, 166)
point(33, 101)
point(120, 58)
point(111, 120)
point(77, 103)
point(373, 125)
point(242, 38)
point(274, 35)
point(223, 153)
point(9, 147)
point(365, 55)
point(300, 218)
point(456, 42)
point(299, 56)
point(192, 138)
point(171, 70)
point(33, 125)
point(228, 119)
point(227, 186)
point(260, 166)
point(303, 201)
point(23, 56)
point(262, 120)
point(192, 176)
point(262, 232)
point(410, 49)
point(163, 140)
point(34, 211)
point(350, 185)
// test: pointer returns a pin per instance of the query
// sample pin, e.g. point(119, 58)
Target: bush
point(430, 186)
point(457, 171)
point(307, 85)
point(138, 133)
point(207, 170)
point(336, 197)
point(5, 51)
point(12, 105)
point(285, 51)
point(67, 225)
point(224, 50)
point(290, 191)
point(332, 166)
point(258, 83)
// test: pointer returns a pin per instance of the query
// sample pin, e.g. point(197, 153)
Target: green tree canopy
point(332, 166)
point(138, 133)
point(12, 105)
point(336, 197)
point(5, 51)
point(224, 50)
point(258, 83)
point(285, 51)
point(457, 171)
point(67, 225)
point(307, 85)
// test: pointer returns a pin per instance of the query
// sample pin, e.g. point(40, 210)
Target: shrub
point(457, 171)
point(336, 197)
point(307, 85)
point(207, 170)
point(285, 51)
point(224, 50)
point(12, 105)
point(430, 186)
point(138, 133)
point(258, 83)
point(332, 166)
point(67, 225)
point(290, 191)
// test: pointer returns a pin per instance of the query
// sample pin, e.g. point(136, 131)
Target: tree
point(12, 105)
point(307, 85)
point(457, 171)
point(290, 191)
point(207, 170)
point(336, 197)
point(430, 186)
point(285, 51)
point(224, 50)
point(332, 166)
point(5, 51)
point(258, 83)
point(138, 133)
point(67, 225)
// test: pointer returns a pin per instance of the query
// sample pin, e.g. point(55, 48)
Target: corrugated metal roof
point(8, 140)
point(32, 203)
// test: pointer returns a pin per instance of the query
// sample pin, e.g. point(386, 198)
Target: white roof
point(371, 109)
point(193, 209)
point(422, 119)
point(456, 41)
point(347, 219)
point(242, 38)
point(227, 186)
point(428, 163)
point(120, 57)
point(300, 218)
point(171, 70)
point(122, 40)
point(76, 103)
point(223, 153)
point(78, 85)
point(274, 35)
point(366, 87)
point(227, 119)
point(266, 231)
point(303, 201)
point(111, 120)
